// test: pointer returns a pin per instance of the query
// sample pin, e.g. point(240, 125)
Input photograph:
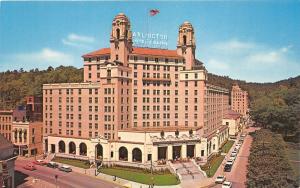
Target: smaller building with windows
point(27, 127)
point(6, 123)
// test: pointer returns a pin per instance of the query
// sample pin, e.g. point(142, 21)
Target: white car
point(233, 154)
point(229, 162)
point(226, 184)
point(220, 179)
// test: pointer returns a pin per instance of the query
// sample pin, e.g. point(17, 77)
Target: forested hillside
point(15, 85)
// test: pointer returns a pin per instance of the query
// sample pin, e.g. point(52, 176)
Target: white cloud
point(46, 55)
point(76, 40)
point(217, 65)
point(251, 61)
point(233, 45)
point(37, 59)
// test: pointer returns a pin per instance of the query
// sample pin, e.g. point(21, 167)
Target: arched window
point(136, 155)
point(72, 148)
point(61, 147)
point(82, 149)
point(123, 154)
point(118, 33)
point(99, 151)
point(184, 40)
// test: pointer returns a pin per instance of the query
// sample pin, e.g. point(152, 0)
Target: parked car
point(227, 184)
point(233, 154)
point(232, 158)
point(227, 167)
point(29, 166)
point(230, 162)
point(40, 162)
point(220, 179)
point(52, 165)
point(65, 168)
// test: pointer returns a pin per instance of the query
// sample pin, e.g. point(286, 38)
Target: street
point(238, 173)
point(64, 179)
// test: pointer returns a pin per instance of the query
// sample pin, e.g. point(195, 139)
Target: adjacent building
point(7, 163)
point(137, 104)
point(6, 123)
point(233, 121)
point(27, 127)
point(239, 100)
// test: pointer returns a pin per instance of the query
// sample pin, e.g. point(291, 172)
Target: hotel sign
point(150, 40)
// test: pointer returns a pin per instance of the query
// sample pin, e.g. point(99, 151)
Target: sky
point(255, 41)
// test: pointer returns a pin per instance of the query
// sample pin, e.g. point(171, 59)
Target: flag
point(153, 12)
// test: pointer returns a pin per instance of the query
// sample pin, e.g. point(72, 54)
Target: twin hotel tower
point(140, 104)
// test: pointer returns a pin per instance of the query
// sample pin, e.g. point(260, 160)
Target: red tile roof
point(102, 51)
point(232, 115)
point(137, 51)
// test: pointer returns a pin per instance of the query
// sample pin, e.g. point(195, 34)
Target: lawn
point(141, 176)
point(227, 146)
point(212, 165)
point(72, 162)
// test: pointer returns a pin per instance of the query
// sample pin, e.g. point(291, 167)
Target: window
point(118, 33)
point(184, 40)
point(135, 58)
point(146, 59)
point(156, 60)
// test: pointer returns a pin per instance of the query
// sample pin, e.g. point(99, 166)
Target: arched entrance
point(82, 149)
point(99, 151)
point(61, 147)
point(136, 155)
point(72, 148)
point(123, 154)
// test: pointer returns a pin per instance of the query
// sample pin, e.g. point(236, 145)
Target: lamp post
point(56, 177)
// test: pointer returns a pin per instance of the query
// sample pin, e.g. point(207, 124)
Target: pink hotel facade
point(137, 104)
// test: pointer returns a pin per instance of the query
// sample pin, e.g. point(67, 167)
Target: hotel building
point(239, 100)
point(137, 104)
